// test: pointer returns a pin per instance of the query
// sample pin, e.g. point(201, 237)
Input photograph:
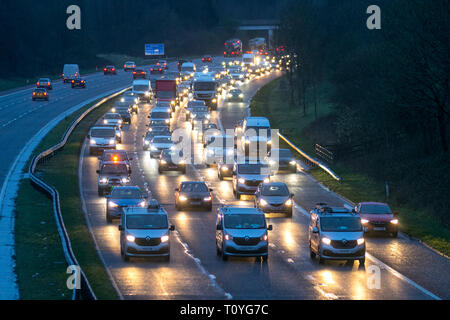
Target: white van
point(256, 130)
point(143, 89)
point(70, 72)
point(187, 70)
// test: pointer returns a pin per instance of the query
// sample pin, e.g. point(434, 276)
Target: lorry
point(257, 44)
point(204, 87)
point(166, 90)
point(233, 48)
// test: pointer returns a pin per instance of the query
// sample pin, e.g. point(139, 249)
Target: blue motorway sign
point(154, 49)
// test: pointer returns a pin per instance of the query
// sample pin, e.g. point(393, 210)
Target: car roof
point(139, 210)
point(275, 184)
point(101, 127)
point(257, 121)
point(226, 210)
point(160, 109)
point(197, 182)
point(374, 203)
point(127, 187)
point(115, 151)
point(170, 137)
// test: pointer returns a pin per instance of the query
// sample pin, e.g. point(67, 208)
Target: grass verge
point(271, 102)
point(40, 263)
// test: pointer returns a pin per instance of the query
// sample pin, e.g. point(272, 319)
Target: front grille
point(146, 243)
point(378, 223)
point(358, 253)
point(252, 183)
point(276, 204)
point(246, 241)
point(343, 244)
point(114, 181)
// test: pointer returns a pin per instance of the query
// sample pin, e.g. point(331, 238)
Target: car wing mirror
point(270, 228)
point(107, 196)
point(172, 228)
point(292, 195)
point(97, 171)
point(315, 230)
point(177, 189)
point(210, 189)
point(219, 227)
point(120, 227)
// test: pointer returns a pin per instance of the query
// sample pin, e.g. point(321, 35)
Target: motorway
point(407, 269)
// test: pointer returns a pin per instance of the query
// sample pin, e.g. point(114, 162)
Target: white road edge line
point(88, 222)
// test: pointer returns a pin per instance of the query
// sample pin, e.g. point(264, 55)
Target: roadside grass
point(272, 102)
point(41, 270)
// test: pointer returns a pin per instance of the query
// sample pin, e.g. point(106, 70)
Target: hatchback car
point(274, 197)
point(336, 234)
point(39, 93)
point(158, 144)
point(124, 110)
point(193, 194)
point(378, 217)
point(153, 132)
point(145, 232)
point(207, 58)
point(247, 176)
point(123, 197)
point(156, 69)
point(112, 119)
point(129, 65)
point(115, 156)
point(242, 232)
point(78, 83)
point(139, 74)
point(44, 83)
point(112, 174)
point(109, 70)
point(235, 95)
point(281, 159)
point(169, 160)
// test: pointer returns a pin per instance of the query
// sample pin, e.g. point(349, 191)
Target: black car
point(124, 110)
point(115, 156)
point(152, 132)
point(39, 93)
point(78, 83)
point(156, 69)
point(109, 70)
point(284, 161)
point(169, 161)
point(139, 74)
point(193, 194)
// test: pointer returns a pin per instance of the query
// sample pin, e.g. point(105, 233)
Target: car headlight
point(228, 237)
point(214, 100)
point(207, 199)
point(131, 238)
point(142, 204)
point(394, 221)
point(326, 241)
point(182, 198)
point(360, 241)
point(263, 202)
point(92, 141)
point(105, 121)
point(112, 141)
point(364, 221)
point(153, 148)
point(266, 180)
point(120, 121)
point(241, 76)
point(241, 95)
point(288, 202)
point(125, 180)
point(241, 180)
point(147, 93)
point(118, 134)
point(103, 180)
point(210, 151)
point(264, 237)
point(293, 162)
point(208, 116)
point(163, 161)
point(122, 100)
point(112, 204)
point(113, 110)
point(224, 168)
point(167, 120)
point(165, 238)
point(146, 142)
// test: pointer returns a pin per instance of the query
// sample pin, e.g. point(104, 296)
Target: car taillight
point(34, 93)
point(73, 81)
point(159, 69)
point(45, 93)
point(37, 83)
point(134, 72)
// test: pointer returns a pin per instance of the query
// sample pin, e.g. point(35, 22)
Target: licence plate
point(172, 167)
point(379, 228)
point(345, 251)
point(149, 248)
point(195, 203)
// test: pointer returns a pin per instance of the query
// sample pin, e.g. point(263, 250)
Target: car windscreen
point(140, 87)
point(114, 169)
point(274, 190)
point(146, 221)
point(236, 91)
point(253, 168)
point(245, 221)
point(103, 133)
point(187, 69)
point(125, 193)
point(375, 209)
point(285, 153)
point(165, 94)
point(340, 224)
point(206, 86)
point(194, 187)
point(112, 116)
point(159, 115)
point(162, 140)
point(258, 130)
point(199, 109)
point(157, 123)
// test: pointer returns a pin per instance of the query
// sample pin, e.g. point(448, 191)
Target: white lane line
point(381, 264)
point(88, 221)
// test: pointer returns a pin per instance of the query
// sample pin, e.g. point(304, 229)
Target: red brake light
point(34, 93)
point(37, 83)
point(45, 93)
point(73, 81)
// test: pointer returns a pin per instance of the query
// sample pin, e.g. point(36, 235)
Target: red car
point(162, 63)
point(207, 59)
point(138, 73)
point(378, 217)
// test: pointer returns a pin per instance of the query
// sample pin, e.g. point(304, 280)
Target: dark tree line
point(35, 39)
point(390, 86)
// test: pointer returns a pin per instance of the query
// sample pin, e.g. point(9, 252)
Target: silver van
point(145, 232)
point(70, 72)
point(242, 232)
point(336, 233)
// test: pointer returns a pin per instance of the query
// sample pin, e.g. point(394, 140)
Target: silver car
point(101, 138)
point(145, 232)
point(158, 144)
point(274, 197)
point(112, 119)
point(336, 234)
point(242, 232)
point(247, 176)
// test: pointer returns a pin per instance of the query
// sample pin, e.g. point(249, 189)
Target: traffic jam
point(182, 133)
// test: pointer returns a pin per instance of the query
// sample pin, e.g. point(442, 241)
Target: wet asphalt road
point(195, 272)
